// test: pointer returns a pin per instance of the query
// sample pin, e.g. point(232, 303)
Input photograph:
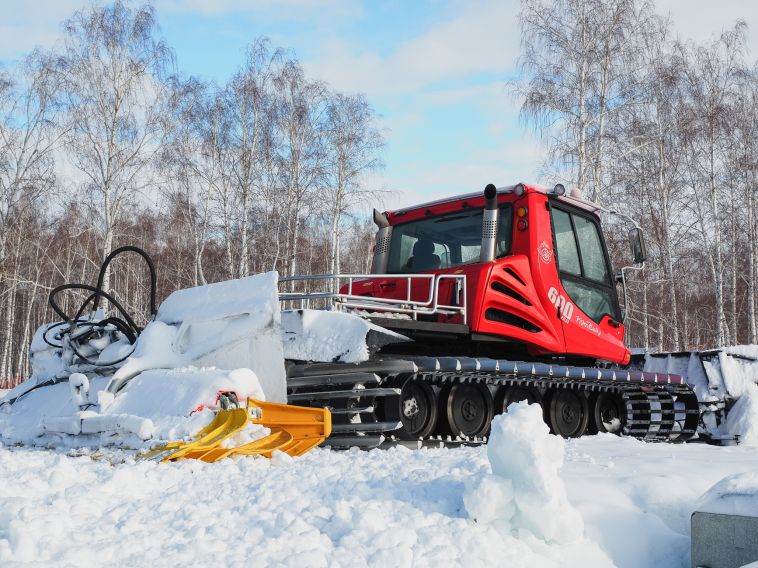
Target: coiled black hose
point(83, 327)
point(79, 328)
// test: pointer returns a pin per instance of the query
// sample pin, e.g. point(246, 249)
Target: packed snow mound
point(734, 495)
point(524, 495)
point(394, 507)
point(170, 398)
point(317, 335)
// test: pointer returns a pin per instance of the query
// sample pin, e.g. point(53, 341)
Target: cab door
point(587, 300)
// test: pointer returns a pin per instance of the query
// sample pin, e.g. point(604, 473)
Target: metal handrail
point(351, 301)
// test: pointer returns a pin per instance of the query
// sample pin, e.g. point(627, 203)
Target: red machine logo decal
point(565, 307)
point(545, 252)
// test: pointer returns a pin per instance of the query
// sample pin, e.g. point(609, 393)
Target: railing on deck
point(323, 291)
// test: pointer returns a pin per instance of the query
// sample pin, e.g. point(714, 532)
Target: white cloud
point(504, 163)
point(26, 25)
point(699, 20)
point(290, 10)
point(481, 37)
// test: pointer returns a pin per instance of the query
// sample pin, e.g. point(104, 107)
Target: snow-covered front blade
point(726, 384)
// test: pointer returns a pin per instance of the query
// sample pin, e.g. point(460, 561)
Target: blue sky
point(435, 70)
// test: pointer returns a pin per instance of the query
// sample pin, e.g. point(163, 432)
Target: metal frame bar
point(351, 301)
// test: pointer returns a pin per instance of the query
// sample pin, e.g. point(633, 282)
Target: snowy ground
point(395, 507)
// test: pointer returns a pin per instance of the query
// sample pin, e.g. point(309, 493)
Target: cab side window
point(568, 253)
point(593, 257)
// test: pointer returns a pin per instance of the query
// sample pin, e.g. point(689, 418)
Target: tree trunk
point(751, 274)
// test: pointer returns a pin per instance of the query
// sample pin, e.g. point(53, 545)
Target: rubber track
point(654, 412)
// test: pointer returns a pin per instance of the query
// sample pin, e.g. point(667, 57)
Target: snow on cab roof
point(573, 197)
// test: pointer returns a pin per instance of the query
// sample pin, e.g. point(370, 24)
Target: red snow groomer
point(506, 296)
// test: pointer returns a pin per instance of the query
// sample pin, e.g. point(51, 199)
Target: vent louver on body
point(503, 289)
point(501, 316)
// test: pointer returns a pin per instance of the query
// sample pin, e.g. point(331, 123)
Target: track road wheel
point(608, 413)
point(569, 413)
point(507, 396)
point(469, 409)
point(416, 409)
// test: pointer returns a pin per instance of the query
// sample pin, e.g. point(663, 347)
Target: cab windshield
point(445, 241)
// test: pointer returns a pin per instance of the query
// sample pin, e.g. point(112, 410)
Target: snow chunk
point(523, 500)
point(524, 491)
point(317, 335)
point(734, 495)
point(159, 404)
point(169, 397)
point(255, 295)
point(742, 419)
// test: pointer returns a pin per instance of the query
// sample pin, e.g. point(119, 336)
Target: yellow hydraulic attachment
point(294, 431)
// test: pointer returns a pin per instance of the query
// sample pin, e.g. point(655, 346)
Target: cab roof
point(572, 197)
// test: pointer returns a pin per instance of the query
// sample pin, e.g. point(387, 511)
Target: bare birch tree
point(301, 121)
point(29, 136)
point(112, 66)
point(354, 143)
point(710, 74)
point(575, 66)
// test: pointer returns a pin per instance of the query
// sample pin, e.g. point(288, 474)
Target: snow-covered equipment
point(474, 302)
point(103, 379)
point(726, 383)
point(725, 524)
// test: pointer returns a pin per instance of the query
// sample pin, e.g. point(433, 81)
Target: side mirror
point(637, 242)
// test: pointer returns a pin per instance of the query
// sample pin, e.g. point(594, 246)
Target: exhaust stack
point(382, 244)
point(489, 224)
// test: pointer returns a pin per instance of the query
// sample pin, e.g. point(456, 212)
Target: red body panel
point(519, 296)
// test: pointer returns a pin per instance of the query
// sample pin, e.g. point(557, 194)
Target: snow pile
point(734, 495)
point(156, 405)
point(714, 375)
point(524, 495)
point(395, 507)
point(179, 402)
point(719, 378)
point(227, 325)
point(316, 335)
point(23, 421)
point(739, 367)
point(46, 362)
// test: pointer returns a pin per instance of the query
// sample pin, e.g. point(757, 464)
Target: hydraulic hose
point(85, 327)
